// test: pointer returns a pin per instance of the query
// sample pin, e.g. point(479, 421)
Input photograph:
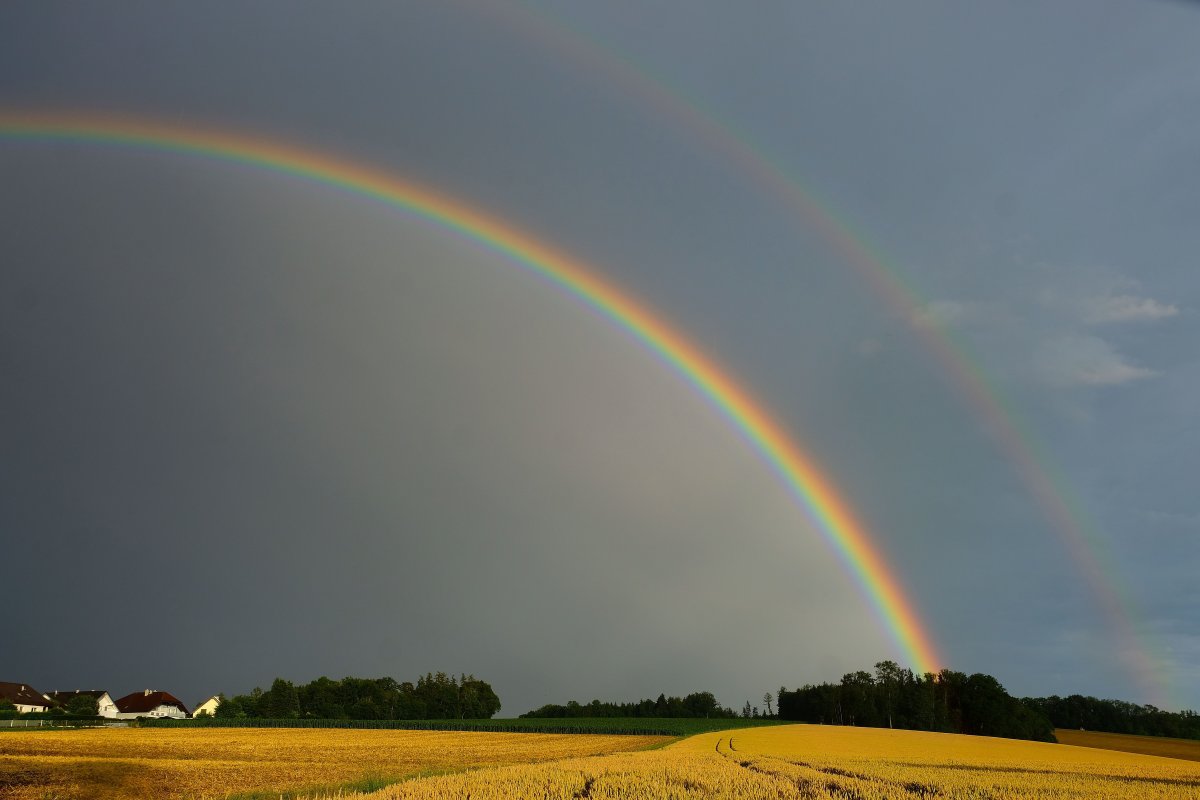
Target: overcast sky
point(251, 427)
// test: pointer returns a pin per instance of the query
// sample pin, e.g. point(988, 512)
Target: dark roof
point(148, 700)
point(62, 698)
point(22, 694)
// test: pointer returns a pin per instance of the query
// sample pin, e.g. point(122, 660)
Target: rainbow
point(1066, 515)
point(814, 492)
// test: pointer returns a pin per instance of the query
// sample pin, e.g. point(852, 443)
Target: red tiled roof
point(22, 694)
point(139, 702)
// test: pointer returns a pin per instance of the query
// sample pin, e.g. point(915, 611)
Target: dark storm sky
point(250, 427)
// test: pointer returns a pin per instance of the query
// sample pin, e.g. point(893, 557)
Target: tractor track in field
point(805, 784)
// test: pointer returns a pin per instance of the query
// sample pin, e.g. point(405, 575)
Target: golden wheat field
point(199, 764)
point(794, 761)
point(818, 763)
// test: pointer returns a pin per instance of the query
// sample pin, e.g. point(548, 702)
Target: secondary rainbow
point(1066, 515)
point(833, 516)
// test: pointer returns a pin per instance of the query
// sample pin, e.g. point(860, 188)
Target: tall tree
point(887, 679)
point(83, 705)
point(283, 702)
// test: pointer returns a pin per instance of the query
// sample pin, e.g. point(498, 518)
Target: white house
point(24, 697)
point(208, 707)
point(106, 706)
point(150, 703)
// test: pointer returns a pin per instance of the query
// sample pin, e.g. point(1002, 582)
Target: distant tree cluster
point(434, 696)
point(79, 706)
point(83, 705)
point(1115, 716)
point(948, 701)
point(751, 712)
point(695, 705)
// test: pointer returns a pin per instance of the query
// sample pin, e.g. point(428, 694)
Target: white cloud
point(1086, 361)
point(1125, 308)
point(1097, 300)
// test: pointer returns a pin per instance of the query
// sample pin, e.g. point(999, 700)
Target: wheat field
point(794, 761)
point(830, 763)
point(202, 764)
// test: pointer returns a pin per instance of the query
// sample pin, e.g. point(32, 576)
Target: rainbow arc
point(1067, 517)
point(797, 469)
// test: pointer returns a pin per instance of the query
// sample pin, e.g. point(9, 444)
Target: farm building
point(24, 697)
point(208, 707)
point(150, 703)
point(106, 707)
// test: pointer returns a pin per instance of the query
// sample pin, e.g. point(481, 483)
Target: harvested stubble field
point(1147, 745)
point(830, 763)
point(198, 764)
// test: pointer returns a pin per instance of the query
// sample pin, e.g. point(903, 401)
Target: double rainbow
point(799, 472)
point(1067, 517)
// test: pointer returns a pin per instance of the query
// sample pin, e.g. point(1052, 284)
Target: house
point(150, 703)
point(104, 702)
point(208, 707)
point(24, 697)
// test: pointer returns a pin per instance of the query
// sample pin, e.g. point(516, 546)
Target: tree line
point(697, 705)
point(1115, 716)
point(81, 705)
point(892, 697)
point(433, 696)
